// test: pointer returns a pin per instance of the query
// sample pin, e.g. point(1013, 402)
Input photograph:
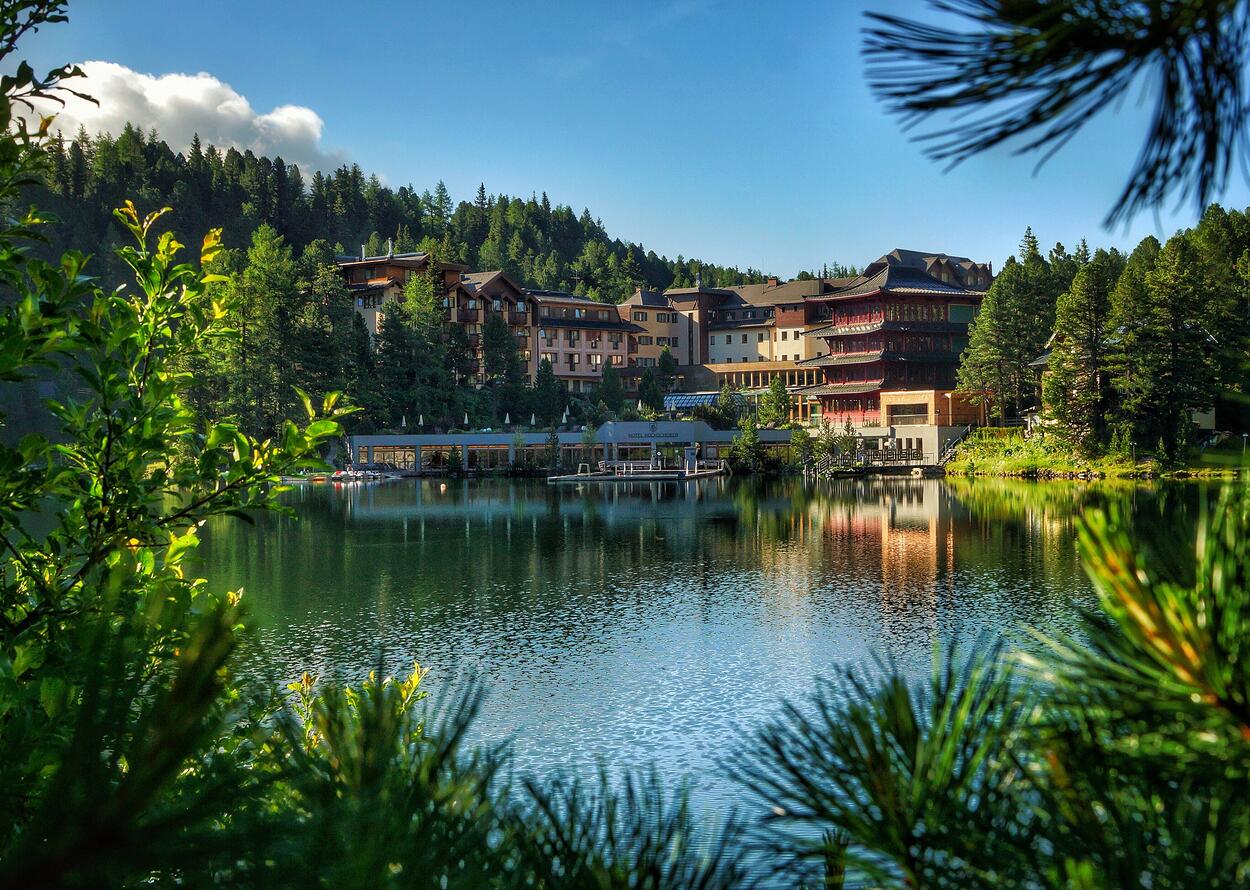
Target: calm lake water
point(658, 622)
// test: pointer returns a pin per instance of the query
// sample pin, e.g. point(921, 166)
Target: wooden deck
point(641, 471)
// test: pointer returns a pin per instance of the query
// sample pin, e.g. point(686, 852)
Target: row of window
point(746, 314)
point(573, 337)
point(572, 361)
point(729, 338)
point(661, 317)
point(579, 312)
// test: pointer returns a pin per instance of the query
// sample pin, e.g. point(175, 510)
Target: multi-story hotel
point(580, 337)
point(836, 343)
point(902, 325)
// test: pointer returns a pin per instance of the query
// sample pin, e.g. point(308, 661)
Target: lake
point(659, 622)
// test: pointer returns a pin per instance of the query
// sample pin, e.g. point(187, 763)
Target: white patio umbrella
point(403, 422)
point(507, 418)
point(466, 419)
point(533, 420)
point(420, 420)
point(565, 419)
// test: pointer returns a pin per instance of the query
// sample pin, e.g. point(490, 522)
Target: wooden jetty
point(642, 471)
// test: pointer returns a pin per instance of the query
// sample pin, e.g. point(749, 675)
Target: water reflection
point(656, 621)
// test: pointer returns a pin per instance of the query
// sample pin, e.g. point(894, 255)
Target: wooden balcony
point(468, 315)
point(518, 318)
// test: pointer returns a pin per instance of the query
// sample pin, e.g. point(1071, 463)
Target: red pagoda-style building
point(902, 325)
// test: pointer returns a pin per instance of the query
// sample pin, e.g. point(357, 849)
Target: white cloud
point(181, 105)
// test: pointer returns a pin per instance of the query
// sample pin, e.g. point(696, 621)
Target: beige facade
point(580, 337)
point(662, 326)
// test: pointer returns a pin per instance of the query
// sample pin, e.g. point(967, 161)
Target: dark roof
point(887, 355)
point(827, 361)
point(899, 280)
point(562, 295)
point(964, 270)
point(472, 281)
point(696, 291)
point(1042, 361)
point(649, 298)
point(915, 327)
point(842, 389)
point(410, 259)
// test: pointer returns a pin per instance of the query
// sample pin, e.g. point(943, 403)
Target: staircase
point(952, 446)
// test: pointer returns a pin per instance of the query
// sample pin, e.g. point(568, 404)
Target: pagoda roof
point(890, 355)
point(898, 280)
point(915, 327)
point(843, 389)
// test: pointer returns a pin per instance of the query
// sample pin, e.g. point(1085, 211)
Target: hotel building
point(902, 325)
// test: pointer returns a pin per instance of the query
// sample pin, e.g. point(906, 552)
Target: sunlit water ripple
point(655, 623)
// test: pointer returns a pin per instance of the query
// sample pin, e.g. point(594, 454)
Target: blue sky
point(738, 133)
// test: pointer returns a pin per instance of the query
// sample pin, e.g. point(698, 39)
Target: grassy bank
point(1008, 453)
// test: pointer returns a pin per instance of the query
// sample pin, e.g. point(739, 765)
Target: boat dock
point(642, 471)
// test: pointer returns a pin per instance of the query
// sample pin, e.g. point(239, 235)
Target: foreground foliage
point(131, 753)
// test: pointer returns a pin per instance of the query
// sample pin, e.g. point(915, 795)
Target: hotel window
point(744, 338)
point(672, 341)
point(573, 359)
point(615, 339)
point(617, 361)
point(572, 337)
point(579, 313)
point(641, 316)
point(784, 335)
point(759, 338)
point(596, 361)
point(644, 340)
point(497, 304)
point(549, 357)
point(520, 306)
point(472, 304)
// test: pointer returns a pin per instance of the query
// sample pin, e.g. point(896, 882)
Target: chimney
point(390, 250)
point(362, 251)
point(773, 282)
point(698, 278)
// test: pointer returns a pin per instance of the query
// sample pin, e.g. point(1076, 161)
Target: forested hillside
point(540, 244)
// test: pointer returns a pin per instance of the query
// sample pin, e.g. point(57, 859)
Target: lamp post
point(1243, 446)
point(950, 412)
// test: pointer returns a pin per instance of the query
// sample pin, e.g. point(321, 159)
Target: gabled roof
point(475, 281)
point(652, 299)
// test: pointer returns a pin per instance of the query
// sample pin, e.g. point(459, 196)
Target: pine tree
point(1077, 383)
point(610, 391)
point(548, 398)
point(649, 391)
point(498, 348)
point(774, 406)
point(1176, 373)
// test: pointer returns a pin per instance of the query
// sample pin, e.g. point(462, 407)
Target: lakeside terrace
point(662, 443)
